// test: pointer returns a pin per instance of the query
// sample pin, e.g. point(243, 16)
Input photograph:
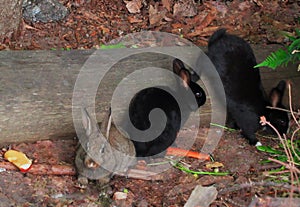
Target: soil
point(92, 23)
point(245, 180)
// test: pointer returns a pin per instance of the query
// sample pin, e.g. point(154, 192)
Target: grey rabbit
point(246, 100)
point(105, 154)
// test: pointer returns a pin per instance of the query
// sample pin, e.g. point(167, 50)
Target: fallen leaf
point(120, 196)
point(167, 4)
point(196, 19)
point(168, 19)
point(212, 165)
point(176, 25)
point(185, 8)
point(258, 3)
point(123, 199)
point(274, 202)
point(155, 16)
point(90, 15)
point(202, 196)
point(134, 6)
point(206, 21)
point(104, 29)
point(134, 20)
point(221, 8)
point(208, 31)
point(244, 6)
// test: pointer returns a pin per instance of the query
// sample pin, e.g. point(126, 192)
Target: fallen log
point(43, 169)
point(36, 90)
point(46, 169)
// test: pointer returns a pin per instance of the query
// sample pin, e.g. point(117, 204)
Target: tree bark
point(10, 18)
point(36, 89)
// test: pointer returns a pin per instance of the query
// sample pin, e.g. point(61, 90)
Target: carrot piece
point(187, 153)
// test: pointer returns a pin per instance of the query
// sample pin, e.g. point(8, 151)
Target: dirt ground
point(244, 181)
point(92, 23)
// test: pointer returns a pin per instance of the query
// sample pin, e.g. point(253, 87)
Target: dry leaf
point(214, 165)
point(206, 21)
point(155, 17)
point(167, 4)
point(134, 6)
point(176, 25)
point(168, 19)
point(207, 31)
point(244, 6)
point(185, 8)
point(134, 20)
point(258, 3)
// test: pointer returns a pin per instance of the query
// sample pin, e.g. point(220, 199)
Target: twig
point(253, 184)
point(142, 175)
point(288, 166)
point(292, 141)
point(269, 166)
point(294, 171)
point(275, 172)
point(294, 117)
point(281, 109)
point(291, 156)
point(290, 105)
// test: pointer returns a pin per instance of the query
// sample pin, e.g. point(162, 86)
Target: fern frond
point(291, 38)
point(282, 57)
point(297, 32)
point(276, 59)
point(295, 45)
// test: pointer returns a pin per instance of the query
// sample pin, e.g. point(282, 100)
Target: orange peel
point(19, 159)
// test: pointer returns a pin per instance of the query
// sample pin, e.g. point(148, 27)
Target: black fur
point(150, 98)
point(246, 100)
point(279, 119)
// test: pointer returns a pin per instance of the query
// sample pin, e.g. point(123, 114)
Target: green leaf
point(224, 127)
point(282, 158)
point(295, 45)
point(282, 57)
point(269, 149)
point(297, 31)
point(276, 59)
point(116, 46)
point(184, 169)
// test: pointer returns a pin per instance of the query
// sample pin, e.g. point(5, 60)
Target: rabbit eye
point(282, 122)
point(198, 95)
point(102, 149)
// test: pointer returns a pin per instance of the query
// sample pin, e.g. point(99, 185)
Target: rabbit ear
point(177, 66)
point(186, 77)
point(87, 122)
point(182, 72)
point(277, 93)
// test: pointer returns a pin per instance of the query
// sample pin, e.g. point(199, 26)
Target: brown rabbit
point(107, 151)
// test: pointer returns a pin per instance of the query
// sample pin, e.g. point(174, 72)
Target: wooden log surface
point(36, 91)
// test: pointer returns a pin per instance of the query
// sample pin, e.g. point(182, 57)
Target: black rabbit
point(158, 97)
point(279, 119)
point(246, 100)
